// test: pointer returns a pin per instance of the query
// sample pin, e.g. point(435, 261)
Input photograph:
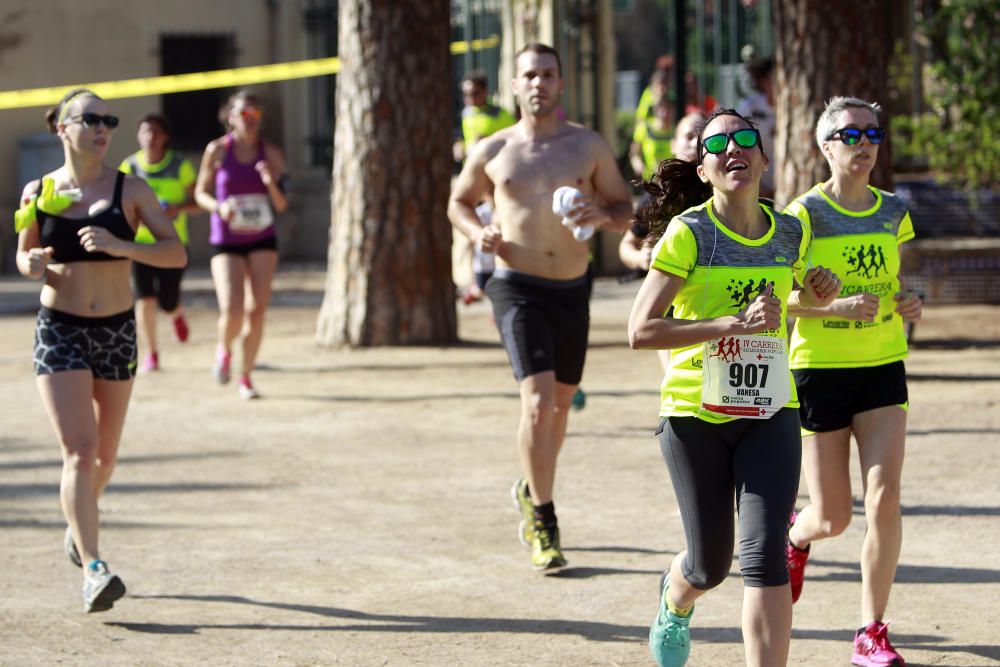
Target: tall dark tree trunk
point(389, 262)
point(825, 48)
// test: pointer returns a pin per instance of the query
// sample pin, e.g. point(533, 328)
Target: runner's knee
point(834, 520)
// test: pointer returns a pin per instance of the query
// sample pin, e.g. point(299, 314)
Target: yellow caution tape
point(182, 83)
point(475, 45)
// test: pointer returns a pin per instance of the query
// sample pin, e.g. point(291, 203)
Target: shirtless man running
point(539, 290)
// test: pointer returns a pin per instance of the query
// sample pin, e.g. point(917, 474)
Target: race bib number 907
point(745, 376)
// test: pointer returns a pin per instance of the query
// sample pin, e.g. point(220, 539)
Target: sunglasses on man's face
point(852, 135)
point(90, 120)
point(718, 143)
point(250, 113)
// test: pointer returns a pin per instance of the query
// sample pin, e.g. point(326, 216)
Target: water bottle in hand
point(564, 199)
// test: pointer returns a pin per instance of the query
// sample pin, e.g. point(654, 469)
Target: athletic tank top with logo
point(862, 248)
point(170, 179)
point(61, 233)
point(654, 145)
point(239, 180)
point(723, 273)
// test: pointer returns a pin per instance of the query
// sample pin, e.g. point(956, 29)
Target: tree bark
point(389, 260)
point(825, 48)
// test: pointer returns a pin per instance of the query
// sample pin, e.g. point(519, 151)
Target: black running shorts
point(270, 243)
point(105, 346)
point(153, 281)
point(830, 397)
point(543, 323)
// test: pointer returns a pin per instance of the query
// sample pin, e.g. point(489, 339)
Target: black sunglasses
point(852, 135)
point(718, 143)
point(89, 119)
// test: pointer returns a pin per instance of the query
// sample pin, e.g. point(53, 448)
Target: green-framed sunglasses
point(748, 137)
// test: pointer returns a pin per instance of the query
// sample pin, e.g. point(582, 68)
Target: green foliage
point(959, 136)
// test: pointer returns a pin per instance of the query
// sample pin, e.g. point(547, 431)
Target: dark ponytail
point(56, 114)
point(674, 188)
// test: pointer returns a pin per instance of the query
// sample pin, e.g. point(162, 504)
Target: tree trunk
point(825, 48)
point(389, 262)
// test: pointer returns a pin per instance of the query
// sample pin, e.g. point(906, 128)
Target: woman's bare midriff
point(88, 289)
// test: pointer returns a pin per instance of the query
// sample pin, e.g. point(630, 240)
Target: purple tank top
point(236, 178)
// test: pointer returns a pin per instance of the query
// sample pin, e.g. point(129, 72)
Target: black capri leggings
point(755, 460)
point(164, 284)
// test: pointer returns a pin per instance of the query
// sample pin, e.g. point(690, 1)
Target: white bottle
point(564, 199)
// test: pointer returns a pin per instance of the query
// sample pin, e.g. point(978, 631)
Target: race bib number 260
point(745, 376)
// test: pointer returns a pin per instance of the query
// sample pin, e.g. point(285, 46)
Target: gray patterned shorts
point(103, 345)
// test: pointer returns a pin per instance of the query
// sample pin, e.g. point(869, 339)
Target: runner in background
point(659, 87)
point(480, 119)
point(634, 250)
point(172, 179)
point(539, 290)
point(729, 424)
point(652, 140)
point(241, 183)
point(847, 358)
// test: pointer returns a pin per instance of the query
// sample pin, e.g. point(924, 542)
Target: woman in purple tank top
point(240, 184)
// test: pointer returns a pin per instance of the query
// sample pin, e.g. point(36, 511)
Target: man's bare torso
point(525, 172)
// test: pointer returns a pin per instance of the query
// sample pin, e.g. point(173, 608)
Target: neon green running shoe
point(546, 555)
point(523, 504)
point(669, 636)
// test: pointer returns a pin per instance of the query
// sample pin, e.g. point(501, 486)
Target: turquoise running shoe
point(669, 636)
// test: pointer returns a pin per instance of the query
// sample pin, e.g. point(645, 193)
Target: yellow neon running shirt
point(723, 272)
point(478, 123)
point(654, 145)
point(169, 178)
point(862, 248)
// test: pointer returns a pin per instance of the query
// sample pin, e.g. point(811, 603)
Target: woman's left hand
point(909, 305)
point(99, 239)
point(821, 287)
point(264, 169)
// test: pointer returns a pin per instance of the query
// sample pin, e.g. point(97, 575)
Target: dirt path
point(359, 514)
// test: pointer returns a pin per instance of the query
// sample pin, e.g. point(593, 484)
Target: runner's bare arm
point(31, 258)
point(204, 189)
point(140, 205)
point(470, 188)
point(648, 329)
point(614, 209)
point(272, 170)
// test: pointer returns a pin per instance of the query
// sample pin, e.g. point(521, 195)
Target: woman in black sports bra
point(78, 235)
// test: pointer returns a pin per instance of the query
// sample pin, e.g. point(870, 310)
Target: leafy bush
point(959, 136)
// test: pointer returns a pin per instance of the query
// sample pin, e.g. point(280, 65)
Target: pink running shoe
point(221, 367)
point(872, 647)
point(796, 559)
point(181, 330)
point(247, 390)
point(151, 362)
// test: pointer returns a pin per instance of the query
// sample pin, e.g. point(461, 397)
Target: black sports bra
point(61, 233)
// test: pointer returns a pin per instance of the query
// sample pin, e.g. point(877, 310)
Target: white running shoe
point(100, 587)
